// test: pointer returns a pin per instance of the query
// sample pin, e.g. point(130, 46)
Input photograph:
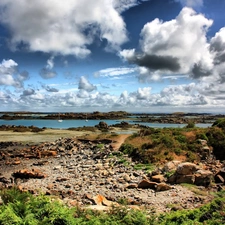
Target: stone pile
point(78, 170)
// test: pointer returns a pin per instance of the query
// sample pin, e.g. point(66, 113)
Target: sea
point(65, 124)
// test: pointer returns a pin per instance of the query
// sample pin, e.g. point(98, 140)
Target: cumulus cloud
point(47, 74)
point(179, 46)
point(85, 85)
point(28, 92)
point(4, 97)
point(64, 27)
point(117, 71)
point(10, 75)
point(50, 89)
point(184, 97)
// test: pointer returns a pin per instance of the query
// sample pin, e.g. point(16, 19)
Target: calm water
point(80, 123)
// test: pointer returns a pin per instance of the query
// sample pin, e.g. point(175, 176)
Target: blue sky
point(110, 55)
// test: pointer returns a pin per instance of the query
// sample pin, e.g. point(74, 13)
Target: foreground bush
point(23, 208)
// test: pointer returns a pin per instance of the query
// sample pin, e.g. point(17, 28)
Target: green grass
point(21, 208)
point(147, 167)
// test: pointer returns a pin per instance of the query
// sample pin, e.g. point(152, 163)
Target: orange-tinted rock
point(147, 184)
point(26, 174)
point(158, 178)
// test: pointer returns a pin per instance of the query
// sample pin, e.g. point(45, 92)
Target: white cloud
point(63, 27)
point(123, 5)
point(117, 71)
point(85, 85)
point(10, 75)
point(50, 63)
point(202, 95)
point(179, 46)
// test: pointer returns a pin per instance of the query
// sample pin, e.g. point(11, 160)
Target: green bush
point(26, 209)
point(216, 139)
point(219, 123)
point(167, 141)
point(128, 149)
point(190, 125)
point(181, 138)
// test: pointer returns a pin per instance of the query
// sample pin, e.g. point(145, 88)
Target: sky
point(146, 56)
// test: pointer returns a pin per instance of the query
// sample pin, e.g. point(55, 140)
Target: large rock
point(26, 174)
point(171, 166)
point(163, 187)
point(144, 184)
point(158, 178)
point(203, 177)
point(102, 125)
point(186, 168)
point(189, 179)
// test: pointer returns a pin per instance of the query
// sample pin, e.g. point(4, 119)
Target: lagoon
point(65, 124)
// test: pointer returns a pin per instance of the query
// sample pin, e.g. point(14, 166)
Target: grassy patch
point(147, 167)
point(195, 189)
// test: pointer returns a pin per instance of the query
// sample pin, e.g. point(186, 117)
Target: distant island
point(176, 118)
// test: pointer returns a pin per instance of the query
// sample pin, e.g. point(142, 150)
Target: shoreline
point(50, 135)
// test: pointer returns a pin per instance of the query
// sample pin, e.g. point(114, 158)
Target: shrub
point(190, 125)
point(202, 136)
point(216, 138)
point(177, 151)
point(167, 141)
point(127, 149)
point(181, 138)
point(219, 123)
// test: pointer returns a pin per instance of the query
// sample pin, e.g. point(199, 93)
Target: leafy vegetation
point(22, 208)
point(156, 145)
point(159, 145)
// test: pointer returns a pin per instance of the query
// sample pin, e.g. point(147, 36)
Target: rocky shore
point(172, 118)
point(94, 174)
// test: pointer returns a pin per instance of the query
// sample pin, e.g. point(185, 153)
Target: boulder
point(158, 178)
point(102, 125)
point(189, 179)
point(171, 166)
point(100, 200)
point(186, 168)
point(26, 174)
point(203, 177)
point(144, 184)
point(163, 187)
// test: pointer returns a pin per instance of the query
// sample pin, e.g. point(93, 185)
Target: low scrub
point(22, 208)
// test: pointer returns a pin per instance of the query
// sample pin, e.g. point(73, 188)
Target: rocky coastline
point(173, 118)
point(93, 174)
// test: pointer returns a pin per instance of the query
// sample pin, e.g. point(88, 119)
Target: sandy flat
point(44, 136)
point(50, 135)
